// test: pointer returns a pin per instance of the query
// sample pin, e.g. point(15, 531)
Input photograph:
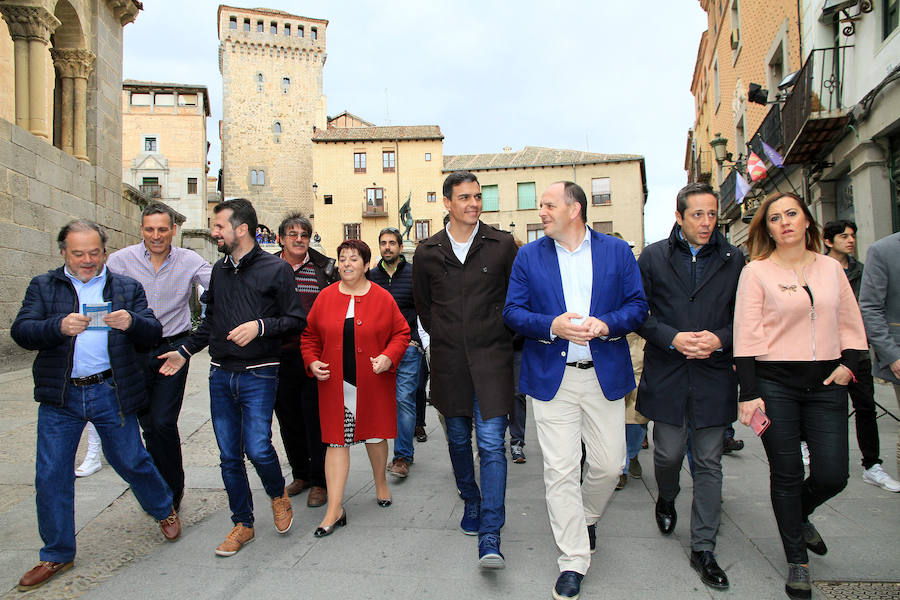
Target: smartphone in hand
point(759, 422)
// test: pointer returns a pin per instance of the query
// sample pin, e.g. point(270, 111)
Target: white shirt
point(576, 272)
point(461, 249)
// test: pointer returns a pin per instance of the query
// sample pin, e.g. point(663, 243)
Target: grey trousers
point(670, 443)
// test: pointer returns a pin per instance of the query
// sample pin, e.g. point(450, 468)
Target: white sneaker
point(875, 475)
point(88, 467)
point(804, 450)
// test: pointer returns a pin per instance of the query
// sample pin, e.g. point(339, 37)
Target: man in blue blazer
point(574, 294)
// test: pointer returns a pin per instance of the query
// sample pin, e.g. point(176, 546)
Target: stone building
point(164, 146)
point(60, 137)
point(512, 184)
point(272, 102)
point(363, 175)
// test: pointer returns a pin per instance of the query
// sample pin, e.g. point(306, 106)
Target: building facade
point(60, 138)
point(272, 103)
point(164, 146)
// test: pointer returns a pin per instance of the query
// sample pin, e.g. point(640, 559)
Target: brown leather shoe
point(283, 513)
point(235, 540)
point(296, 486)
point(318, 496)
point(171, 526)
point(399, 467)
point(41, 574)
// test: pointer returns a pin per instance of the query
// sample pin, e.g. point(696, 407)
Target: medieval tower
point(271, 64)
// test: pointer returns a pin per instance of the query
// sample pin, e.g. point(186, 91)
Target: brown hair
point(361, 248)
point(762, 244)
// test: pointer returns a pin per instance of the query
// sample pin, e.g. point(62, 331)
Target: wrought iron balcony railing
point(770, 131)
point(152, 190)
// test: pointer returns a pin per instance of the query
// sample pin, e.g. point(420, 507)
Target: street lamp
point(720, 148)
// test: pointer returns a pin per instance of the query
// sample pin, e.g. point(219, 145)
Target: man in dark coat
point(460, 276)
point(87, 370)
point(688, 387)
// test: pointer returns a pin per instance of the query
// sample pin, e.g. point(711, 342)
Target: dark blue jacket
point(401, 288)
point(48, 299)
point(687, 294)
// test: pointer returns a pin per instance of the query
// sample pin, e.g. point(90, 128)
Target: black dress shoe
point(665, 516)
point(704, 562)
point(329, 529)
point(568, 586)
point(814, 541)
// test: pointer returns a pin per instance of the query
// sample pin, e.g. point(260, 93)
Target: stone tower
point(271, 64)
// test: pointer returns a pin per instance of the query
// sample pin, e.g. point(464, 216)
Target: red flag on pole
point(756, 169)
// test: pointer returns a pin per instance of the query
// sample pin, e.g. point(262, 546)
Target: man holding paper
point(87, 373)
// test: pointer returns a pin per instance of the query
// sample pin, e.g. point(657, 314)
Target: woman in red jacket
point(354, 339)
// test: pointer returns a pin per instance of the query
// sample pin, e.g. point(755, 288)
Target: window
point(600, 191)
point(187, 100)
point(141, 99)
point(603, 227)
point(359, 162)
point(735, 26)
point(490, 198)
point(285, 84)
point(328, 199)
point(277, 127)
point(428, 156)
point(164, 99)
point(246, 24)
point(150, 144)
point(300, 31)
point(740, 139)
point(287, 29)
point(716, 82)
point(375, 200)
point(260, 26)
point(232, 23)
point(387, 161)
point(535, 232)
point(313, 33)
point(273, 28)
point(526, 194)
point(423, 229)
point(351, 231)
point(890, 19)
point(257, 177)
point(150, 186)
point(775, 70)
point(431, 197)
point(192, 185)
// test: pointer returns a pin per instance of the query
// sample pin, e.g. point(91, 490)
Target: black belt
point(581, 364)
point(91, 379)
point(176, 337)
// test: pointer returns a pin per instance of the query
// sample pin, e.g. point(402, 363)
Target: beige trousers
point(579, 411)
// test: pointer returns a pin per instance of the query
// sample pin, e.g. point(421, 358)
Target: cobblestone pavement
point(414, 549)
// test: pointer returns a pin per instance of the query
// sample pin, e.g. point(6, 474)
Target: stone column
point(30, 28)
point(74, 66)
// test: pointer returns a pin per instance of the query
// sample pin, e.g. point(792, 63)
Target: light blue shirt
point(576, 272)
point(91, 345)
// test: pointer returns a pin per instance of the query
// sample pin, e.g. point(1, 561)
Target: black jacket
point(401, 288)
point(48, 299)
point(259, 288)
point(680, 300)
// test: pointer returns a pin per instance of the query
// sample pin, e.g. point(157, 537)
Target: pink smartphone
point(759, 422)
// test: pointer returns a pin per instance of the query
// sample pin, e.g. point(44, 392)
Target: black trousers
point(819, 416)
point(159, 421)
point(862, 396)
point(297, 410)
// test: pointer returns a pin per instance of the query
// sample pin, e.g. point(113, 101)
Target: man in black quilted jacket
point(86, 323)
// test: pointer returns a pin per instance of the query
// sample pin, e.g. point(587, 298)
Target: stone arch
point(73, 63)
point(70, 34)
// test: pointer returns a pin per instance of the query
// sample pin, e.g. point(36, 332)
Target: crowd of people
point(571, 327)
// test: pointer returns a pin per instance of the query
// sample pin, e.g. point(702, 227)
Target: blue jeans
point(241, 405)
point(407, 382)
point(489, 436)
point(58, 432)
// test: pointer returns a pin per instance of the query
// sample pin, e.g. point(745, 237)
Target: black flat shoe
point(665, 516)
point(329, 529)
point(711, 574)
point(384, 503)
point(813, 540)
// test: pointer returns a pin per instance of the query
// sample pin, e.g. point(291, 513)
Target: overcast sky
point(597, 75)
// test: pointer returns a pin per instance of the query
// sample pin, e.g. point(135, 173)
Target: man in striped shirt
point(169, 275)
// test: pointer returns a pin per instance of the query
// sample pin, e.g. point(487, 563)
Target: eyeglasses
point(294, 235)
point(389, 230)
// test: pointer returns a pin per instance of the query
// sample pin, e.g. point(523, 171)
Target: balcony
point(371, 210)
point(701, 167)
point(770, 131)
point(815, 115)
point(728, 210)
point(152, 190)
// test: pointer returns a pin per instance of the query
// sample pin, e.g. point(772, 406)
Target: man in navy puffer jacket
point(86, 369)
